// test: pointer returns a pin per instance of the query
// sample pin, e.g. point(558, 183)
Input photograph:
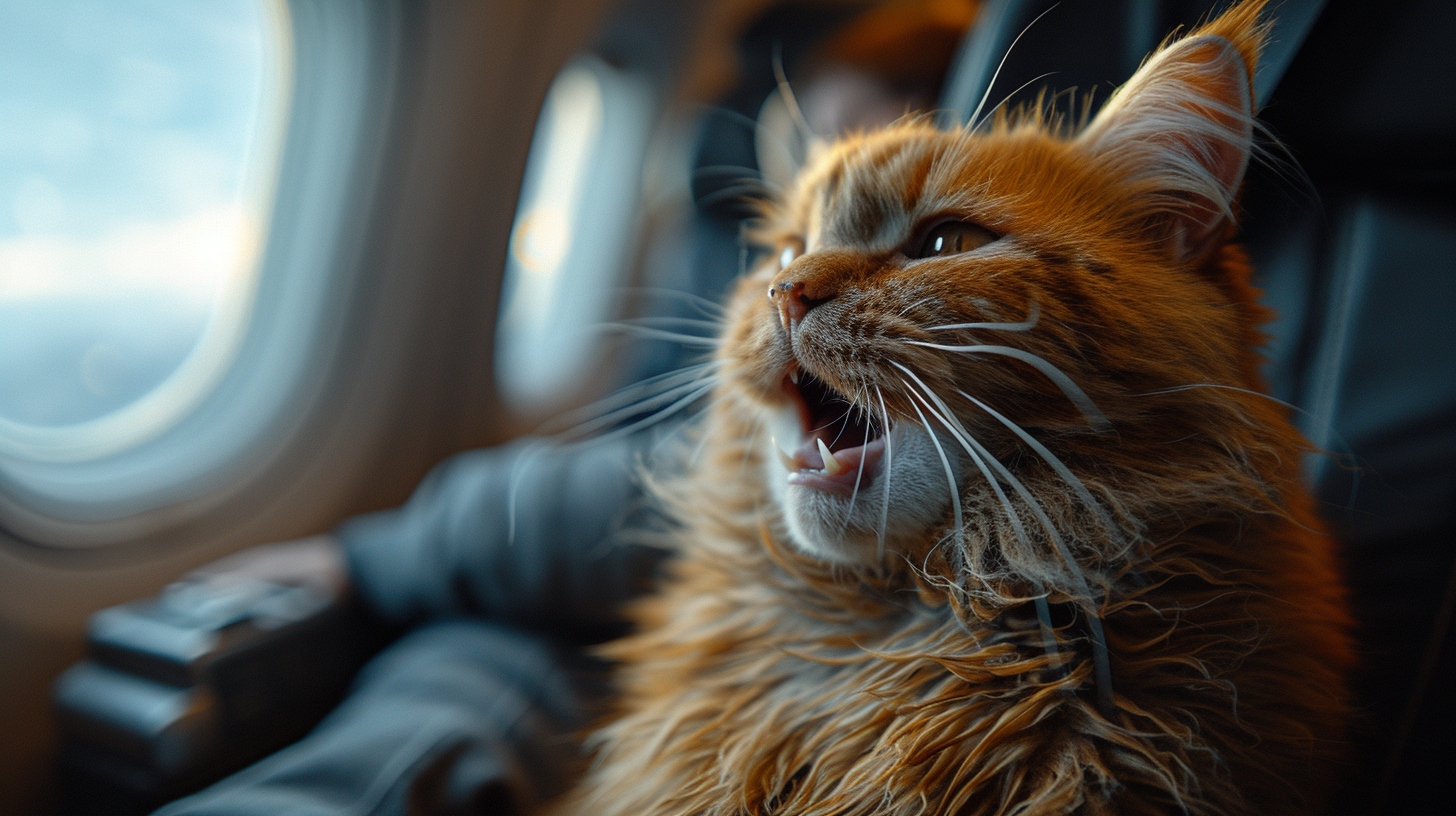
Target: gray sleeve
point(451, 549)
point(456, 717)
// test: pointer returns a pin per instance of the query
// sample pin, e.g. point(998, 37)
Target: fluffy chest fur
point(988, 514)
point(768, 682)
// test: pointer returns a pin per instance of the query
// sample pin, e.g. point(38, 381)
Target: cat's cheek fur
point(847, 529)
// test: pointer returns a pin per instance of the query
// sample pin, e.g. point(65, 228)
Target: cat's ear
point(1181, 131)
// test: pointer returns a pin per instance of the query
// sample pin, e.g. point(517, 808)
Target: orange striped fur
point(769, 678)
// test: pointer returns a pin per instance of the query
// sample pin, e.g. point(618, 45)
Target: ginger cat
point(988, 514)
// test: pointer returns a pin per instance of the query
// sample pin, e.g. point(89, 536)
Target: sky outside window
point(138, 141)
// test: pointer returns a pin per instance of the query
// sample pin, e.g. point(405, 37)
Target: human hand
point(317, 562)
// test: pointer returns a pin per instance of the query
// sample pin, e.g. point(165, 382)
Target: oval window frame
point(346, 61)
point(200, 370)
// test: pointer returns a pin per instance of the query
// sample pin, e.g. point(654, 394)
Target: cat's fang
point(831, 465)
point(789, 463)
point(857, 468)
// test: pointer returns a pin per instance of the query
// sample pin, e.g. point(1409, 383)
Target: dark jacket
point(503, 564)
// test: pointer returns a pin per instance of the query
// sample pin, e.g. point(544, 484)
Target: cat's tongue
point(813, 465)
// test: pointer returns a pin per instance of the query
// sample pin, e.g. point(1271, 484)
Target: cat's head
point(947, 312)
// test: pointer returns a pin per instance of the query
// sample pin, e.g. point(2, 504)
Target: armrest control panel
point(186, 687)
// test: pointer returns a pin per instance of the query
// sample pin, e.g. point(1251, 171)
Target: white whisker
point(992, 84)
point(1073, 392)
point(790, 100)
point(748, 122)
point(659, 334)
point(916, 303)
point(668, 320)
point(841, 418)
point(1056, 464)
point(889, 468)
point(955, 496)
point(1177, 388)
point(1032, 315)
point(859, 475)
point(1007, 97)
point(640, 397)
point(529, 454)
point(655, 418)
point(981, 456)
point(1101, 666)
point(963, 436)
point(632, 400)
point(703, 305)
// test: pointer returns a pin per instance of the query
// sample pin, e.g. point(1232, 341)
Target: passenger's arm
point(523, 534)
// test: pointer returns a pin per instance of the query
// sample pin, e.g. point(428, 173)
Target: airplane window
point(138, 147)
point(572, 230)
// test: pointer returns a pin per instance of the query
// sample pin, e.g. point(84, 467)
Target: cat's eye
point(951, 238)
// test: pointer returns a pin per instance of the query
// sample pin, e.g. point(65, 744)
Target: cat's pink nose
point(793, 301)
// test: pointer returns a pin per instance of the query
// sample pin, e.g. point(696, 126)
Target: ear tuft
point(1181, 130)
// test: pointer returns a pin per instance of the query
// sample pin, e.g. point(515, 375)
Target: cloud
point(191, 259)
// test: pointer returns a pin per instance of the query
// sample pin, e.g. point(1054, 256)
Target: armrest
point(186, 687)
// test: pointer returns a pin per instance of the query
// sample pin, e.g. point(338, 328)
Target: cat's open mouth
point(839, 445)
